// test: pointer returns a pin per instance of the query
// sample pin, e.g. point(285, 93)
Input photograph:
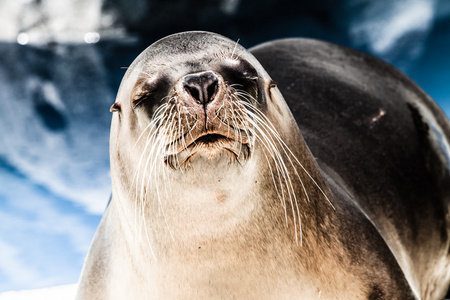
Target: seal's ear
point(276, 99)
point(272, 91)
point(115, 107)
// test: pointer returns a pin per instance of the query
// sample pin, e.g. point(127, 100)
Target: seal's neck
point(222, 234)
point(218, 205)
point(277, 187)
point(253, 239)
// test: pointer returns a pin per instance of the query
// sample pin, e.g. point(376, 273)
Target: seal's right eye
point(142, 91)
point(138, 98)
point(148, 91)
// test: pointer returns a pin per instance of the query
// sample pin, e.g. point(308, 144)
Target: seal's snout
point(201, 86)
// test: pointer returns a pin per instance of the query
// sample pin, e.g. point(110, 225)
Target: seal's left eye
point(247, 70)
point(237, 70)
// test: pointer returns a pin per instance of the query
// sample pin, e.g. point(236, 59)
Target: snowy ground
point(63, 292)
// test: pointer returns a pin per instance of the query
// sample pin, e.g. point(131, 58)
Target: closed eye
point(236, 70)
point(147, 90)
point(140, 98)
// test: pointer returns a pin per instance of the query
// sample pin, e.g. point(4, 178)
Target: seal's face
point(196, 116)
point(202, 133)
point(203, 113)
point(195, 101)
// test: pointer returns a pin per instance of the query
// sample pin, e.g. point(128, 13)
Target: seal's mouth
point(209, 145)
point(208, 120)
point(211, 139)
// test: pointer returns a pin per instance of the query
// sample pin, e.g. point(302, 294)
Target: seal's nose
point(201, 86)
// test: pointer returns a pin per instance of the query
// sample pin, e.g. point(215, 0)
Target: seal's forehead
point(190, 42)
point(195, 45)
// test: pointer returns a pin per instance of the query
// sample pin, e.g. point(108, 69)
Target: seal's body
point(380, 138)
point(217, 194)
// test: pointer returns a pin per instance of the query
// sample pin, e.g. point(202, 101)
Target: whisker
point(257, 119)
point(235, 45)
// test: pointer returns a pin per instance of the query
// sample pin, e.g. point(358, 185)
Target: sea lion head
point(198, 121)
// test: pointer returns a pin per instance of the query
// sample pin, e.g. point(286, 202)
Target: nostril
point(194, 93)
point(201, 86)
point(211, 90)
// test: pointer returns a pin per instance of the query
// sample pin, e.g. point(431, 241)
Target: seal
point(327, 179)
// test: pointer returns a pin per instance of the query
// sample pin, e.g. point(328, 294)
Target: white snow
point(63, 292)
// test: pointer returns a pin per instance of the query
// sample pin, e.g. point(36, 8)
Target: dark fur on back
point(368, 123)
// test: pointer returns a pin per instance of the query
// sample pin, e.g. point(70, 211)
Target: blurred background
point(61, 62)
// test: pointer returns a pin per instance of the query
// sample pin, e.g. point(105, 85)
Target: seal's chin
point(210, 147)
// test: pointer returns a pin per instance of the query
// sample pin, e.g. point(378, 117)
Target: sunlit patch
point(23, 38)
point(92, 37)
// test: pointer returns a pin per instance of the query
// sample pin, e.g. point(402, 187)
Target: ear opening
point(268, 88)
point(276, 98)
point(116, 107)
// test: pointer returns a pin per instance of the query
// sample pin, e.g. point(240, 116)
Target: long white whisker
point(281, 170)
point(235, 45)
